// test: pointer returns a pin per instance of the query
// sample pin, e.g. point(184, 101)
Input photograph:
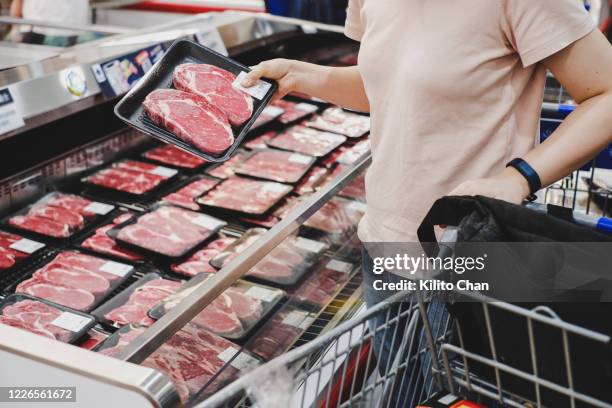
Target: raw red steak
point(276, 165)
point(320, 287)
point(103, 244)
point(340, 121)
point(74, 220)
point(185, 197)
point(35, 317)
point(199, 262)
point(191, 118)
point(173, 156)
point(337, 216)
point(169, 231)
point(215, 85)
point(284, 264)
point(71, 202)
point(8, 255)
point(245, 195)
point(219, 317)
point(308, 141)
point(41, 225)
point(131, 177)
point(226, 169)
point(294, 111)
point(78, 299)
point(136, 309)
point(279, 333)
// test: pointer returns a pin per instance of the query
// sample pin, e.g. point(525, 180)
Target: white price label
point(258, 91)
point(10, 117)
point(27, 246)
point(99, 208)
point(71, 322)
point(273, 111)
point(299, 319)
point(164, 171)
point(274, 188)
point(306, 107)
point(242, 361)
point(300, 158)
point(259, 293)
point(309, 245)
point(208, 222)
point(116, 268)
point(357, 206)
point(339, 266)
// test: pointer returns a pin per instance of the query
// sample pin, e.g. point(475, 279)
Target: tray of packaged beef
point(99, 243)
point(225, 170)
point(338, 217)
point(275, 165)
point(76, 280)
point(166, 231)
point(44, 318)
point(340, 121)
point(172, 156)
point(15, 250)
point(199, 261)
point(268, 116)
point(196, 361)
point(308, 141)
point(193, 99)
point(294, 111)
point(234, 314)
point(184, 193)
point(244, 196)
point(59, 216)
point(130, 180)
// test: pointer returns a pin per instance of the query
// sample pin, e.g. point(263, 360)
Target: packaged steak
point(166, 230)
point(93, 338)
point(280, 332)
point(268, 115)
point(311, 180)
point(276, 165)
point(14, 249)
point(59, 215)
point(189, 190)
point(288, 262)
point(132, 177)
point(337, 216)
point(76, 280)
point(196, 361)
point(337, 120)
point(44, 318)
point(199, 261)
point(173, 156)
point(232, 251)
point(259, 142)
point(233, 314)
point(99, 242)
point(132, 305)
point(226, 170)
point(321, 286)
point(305, 140)
point(294, 111)
point(245, 195)
point(354, 153)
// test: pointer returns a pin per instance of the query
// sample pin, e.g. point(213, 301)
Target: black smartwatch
point(532, 177)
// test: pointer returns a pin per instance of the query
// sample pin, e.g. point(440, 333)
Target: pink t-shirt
point(455, 91)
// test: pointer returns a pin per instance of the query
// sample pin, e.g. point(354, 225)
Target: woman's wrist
point(512, 176)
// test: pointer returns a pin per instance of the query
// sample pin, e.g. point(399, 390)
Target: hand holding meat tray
point(222, 121)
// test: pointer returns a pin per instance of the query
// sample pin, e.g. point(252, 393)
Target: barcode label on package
point(273, 111)
point(70, 321)
point(309, 245)
point(339, 266)
point(116, 268)
point(164, 171)
point(306, 107)
point(274, 188)
point(299, 158)
point(242, 361)
point(210, 223)
point(99, 208)
point(259, 293)
point(27, 246)
point(259, 90)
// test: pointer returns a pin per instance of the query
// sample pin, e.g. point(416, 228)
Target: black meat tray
point(156, 256)
point(252, 153)
point(10, 278)
point(130, 109)
point(12, 299)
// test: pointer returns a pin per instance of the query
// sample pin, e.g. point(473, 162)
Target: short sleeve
point(538, 29)
point(353, 27)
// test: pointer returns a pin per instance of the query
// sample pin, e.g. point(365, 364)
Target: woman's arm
point(585, 70)
point(340, 86)
point(17, 8)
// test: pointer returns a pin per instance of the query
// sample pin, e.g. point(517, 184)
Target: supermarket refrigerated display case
point(75, 135)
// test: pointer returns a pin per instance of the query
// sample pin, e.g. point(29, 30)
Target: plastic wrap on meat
point(173, 156)
point(226, 169)
point(337, 216)
point(245, 195)
point(144, 297)
point(169, 231)
point(294, 111)
point(35, 317)
point(71, 279)
point(279, 333)
point(132, 177)
point(41, 225)
point(307, 141)
point(199, 262)
point(101, 243)
point(215, 85)
point(8, 255)
point(276, 165)
point(339, 121)
point(267, 115)
point(185, 196)
point(191, 118)
point(321, 286)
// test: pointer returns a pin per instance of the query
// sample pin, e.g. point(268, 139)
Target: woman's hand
point(291, 75)
point(509, 186)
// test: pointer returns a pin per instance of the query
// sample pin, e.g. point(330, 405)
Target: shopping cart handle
point(602, 224)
